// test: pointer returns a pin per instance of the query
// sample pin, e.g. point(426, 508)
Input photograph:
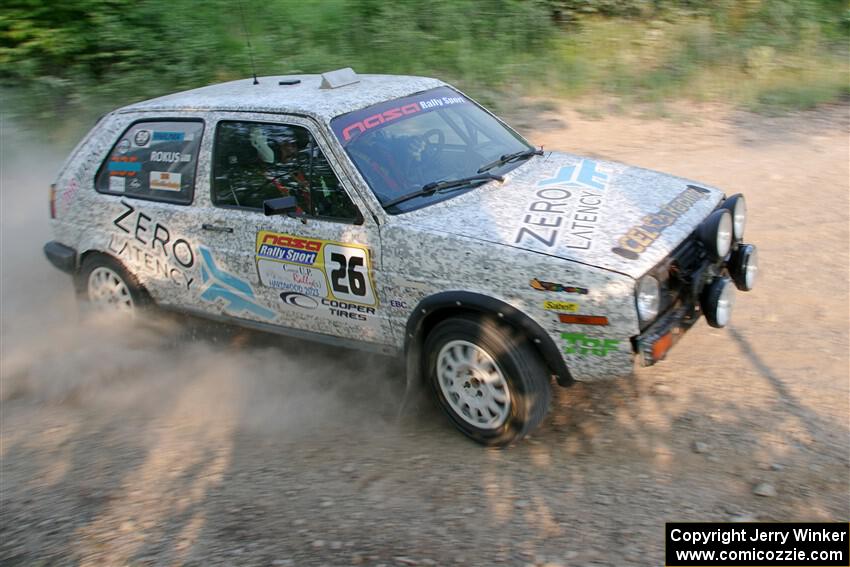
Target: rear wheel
point(487, 378)
point(108, 287)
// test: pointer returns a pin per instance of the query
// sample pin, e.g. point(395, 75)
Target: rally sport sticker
point(320, 269)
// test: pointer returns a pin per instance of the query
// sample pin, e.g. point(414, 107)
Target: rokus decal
point(237, 293)
point(151, 247)
point(565, 306)
point(551, 217)
point(541, 285)
point(581, 344)
point(333, 270)
point(641, 237)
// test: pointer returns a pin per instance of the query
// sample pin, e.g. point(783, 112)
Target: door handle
point(216, 228)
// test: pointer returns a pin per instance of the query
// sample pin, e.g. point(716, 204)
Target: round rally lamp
point(648, 298)
point(737, 205)
point(715, 233)
point(718, 301)
point(745, 267)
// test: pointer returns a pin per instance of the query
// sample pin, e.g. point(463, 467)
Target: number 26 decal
point(348, 270)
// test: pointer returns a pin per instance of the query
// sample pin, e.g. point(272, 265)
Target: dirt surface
point(177, 443)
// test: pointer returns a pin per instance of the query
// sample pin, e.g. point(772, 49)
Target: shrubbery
point(86, 56)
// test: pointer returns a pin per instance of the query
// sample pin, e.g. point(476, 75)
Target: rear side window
point(153, 160)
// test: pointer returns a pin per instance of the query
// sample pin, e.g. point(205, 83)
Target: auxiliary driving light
point(744, 265)
point(715, 233)
point(718, 301)
point(737, 205)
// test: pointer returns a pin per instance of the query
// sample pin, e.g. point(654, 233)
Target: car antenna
point(248, 42)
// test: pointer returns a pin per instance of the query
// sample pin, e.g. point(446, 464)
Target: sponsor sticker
point(299, 300)
point(541, 285)
point(142, 138)
point(135, 184)
point(567, 207)
point(640, 237)
point(124, 167)
point(316, 268)
point(123, 146)
point(164, 181)
point(169, 157)
point(563, 306)
point(581, 344)
point(294, 278)
point(117, 184)
point(172, 137)
point(236, 294)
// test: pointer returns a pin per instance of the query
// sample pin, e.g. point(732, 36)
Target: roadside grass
point(501, 52)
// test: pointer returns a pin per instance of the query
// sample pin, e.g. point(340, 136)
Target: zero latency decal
point(316, 268)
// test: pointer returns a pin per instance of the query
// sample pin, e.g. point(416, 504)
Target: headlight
point(717, 302)
point(715, 233)
point(744, 266)
point(647, 298)
point(737, 205)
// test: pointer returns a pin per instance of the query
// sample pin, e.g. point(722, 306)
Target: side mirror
point(279, 206)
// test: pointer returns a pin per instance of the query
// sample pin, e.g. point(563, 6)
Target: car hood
point(601, 213)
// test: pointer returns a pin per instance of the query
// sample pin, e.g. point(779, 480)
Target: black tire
point(140, 297)
point(528, 379)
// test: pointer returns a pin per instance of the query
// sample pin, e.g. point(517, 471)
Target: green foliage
point(77, 58)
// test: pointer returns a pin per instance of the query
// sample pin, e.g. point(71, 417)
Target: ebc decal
point(349, 126)
point(316, 268)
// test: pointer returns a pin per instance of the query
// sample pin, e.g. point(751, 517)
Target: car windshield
point(402, 145)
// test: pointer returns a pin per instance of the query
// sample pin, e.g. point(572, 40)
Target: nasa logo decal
point(299, 300)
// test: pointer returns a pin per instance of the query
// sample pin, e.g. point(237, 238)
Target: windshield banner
point(350, 126)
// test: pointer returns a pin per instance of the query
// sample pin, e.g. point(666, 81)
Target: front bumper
point(687, 274)
point(657, 340)
point(61, 256)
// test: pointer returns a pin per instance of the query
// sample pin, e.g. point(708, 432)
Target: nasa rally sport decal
point(332, 278)
point(315, 268)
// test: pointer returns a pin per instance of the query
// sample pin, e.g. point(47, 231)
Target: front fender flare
point(445, 302)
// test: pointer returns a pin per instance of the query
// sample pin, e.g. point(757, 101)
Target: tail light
point(53, 200)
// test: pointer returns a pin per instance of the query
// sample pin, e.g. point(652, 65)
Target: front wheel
point(487, 378)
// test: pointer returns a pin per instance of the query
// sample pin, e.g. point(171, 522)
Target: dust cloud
point(56, 354)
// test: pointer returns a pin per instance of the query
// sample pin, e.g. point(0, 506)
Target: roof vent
point(339, 78)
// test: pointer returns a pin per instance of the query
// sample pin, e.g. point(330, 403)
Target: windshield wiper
point(445, 185)
point(507, 158)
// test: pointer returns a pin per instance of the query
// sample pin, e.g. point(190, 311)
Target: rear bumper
point(61, 256)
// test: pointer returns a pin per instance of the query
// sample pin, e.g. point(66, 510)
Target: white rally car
point(394, 214)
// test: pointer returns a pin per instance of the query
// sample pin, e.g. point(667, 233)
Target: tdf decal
point(578, 343)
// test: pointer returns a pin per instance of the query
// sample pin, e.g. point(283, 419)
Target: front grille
point(677, 273)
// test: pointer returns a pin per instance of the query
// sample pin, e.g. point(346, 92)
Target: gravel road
point(181, 443)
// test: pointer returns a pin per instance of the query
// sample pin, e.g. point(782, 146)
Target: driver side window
point(254, 162)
